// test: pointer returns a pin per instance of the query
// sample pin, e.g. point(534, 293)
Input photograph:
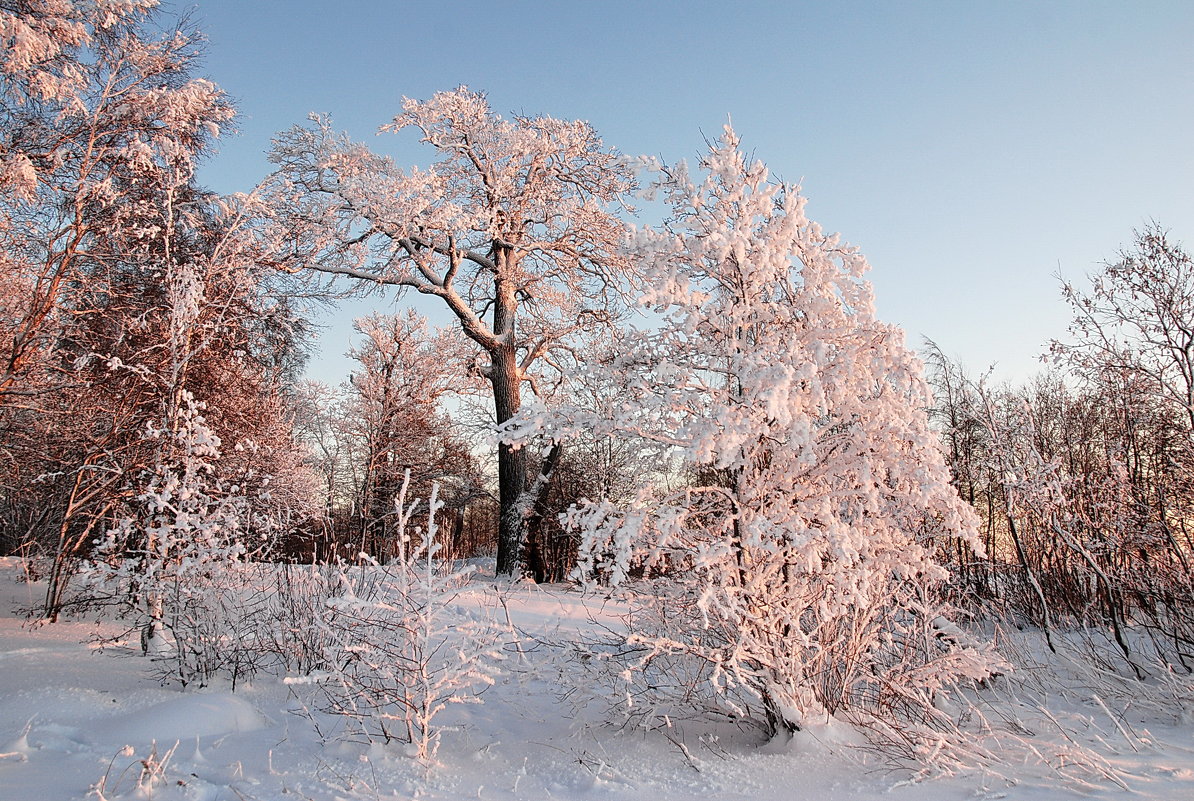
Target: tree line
point(1082, 475)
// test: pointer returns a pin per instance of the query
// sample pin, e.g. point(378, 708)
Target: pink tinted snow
point(67, 712)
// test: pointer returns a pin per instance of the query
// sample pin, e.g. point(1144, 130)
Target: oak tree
point(514, 228)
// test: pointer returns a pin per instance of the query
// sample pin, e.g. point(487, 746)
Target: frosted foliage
point(188, 517)
point(798, 563)
point(169, 560)
point(527, 202)
point(41, 38)
point(101, 126)
point(399, 648)
point(19, 176)
point(75, 64)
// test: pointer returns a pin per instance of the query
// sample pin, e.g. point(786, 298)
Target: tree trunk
point(1046, 624)
point(506, 380)
point(512, 462)
point(539, 565)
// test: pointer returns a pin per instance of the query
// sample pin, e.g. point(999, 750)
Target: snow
point(79, 721)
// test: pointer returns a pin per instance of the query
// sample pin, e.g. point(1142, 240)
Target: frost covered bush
point(177, 562)
point(400, 648)
point(388, 644)
point(294, 635)
point(799, 583)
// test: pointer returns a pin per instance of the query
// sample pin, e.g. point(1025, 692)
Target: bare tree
point(1138, 317)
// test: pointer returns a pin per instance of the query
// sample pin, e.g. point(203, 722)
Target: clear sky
point(972, 150)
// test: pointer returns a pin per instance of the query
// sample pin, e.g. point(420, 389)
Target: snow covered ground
point(77, 721)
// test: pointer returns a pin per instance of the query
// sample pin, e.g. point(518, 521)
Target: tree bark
point(506, 380)
point(533, 511)
point(512, 463)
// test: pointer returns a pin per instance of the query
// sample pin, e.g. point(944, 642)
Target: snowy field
point(78, 721)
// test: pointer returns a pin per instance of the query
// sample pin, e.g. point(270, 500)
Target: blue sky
point(972, 150)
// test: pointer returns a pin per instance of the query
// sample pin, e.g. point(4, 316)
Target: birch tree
point(126, 287)
point(101, 124)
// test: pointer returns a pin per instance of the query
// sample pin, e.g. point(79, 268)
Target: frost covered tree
point(98, 109)
point(96, 113)
point(126, 286)
point(182, 523)
point(99, 117)
point(405, 438)
point(183, 312)
point(194, 502)
point(796, 569)
point(513, 228)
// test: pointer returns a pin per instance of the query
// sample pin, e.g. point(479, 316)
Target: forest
point(702, 415)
